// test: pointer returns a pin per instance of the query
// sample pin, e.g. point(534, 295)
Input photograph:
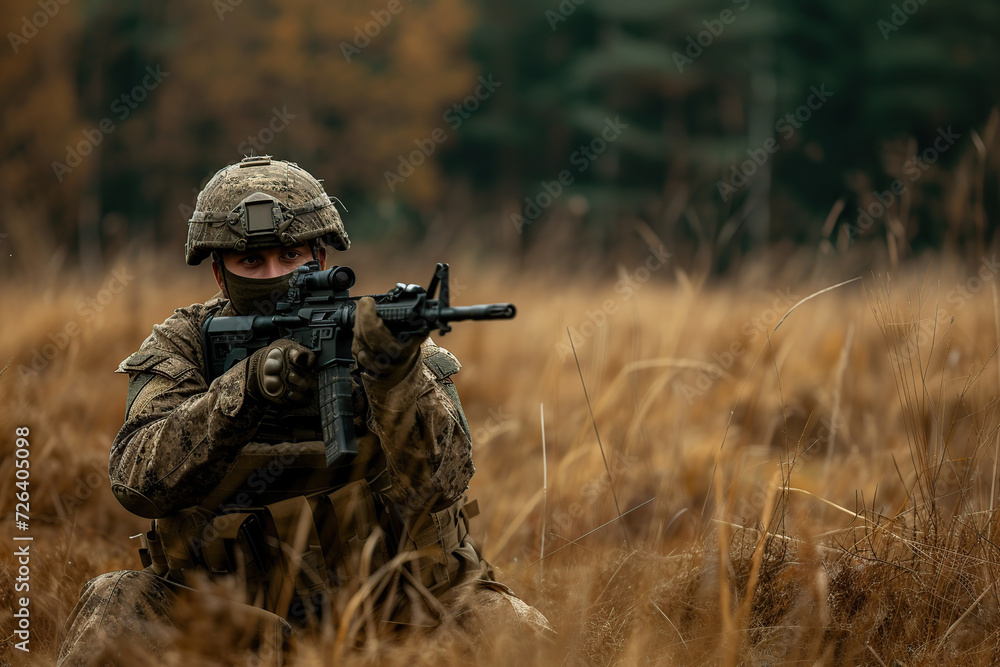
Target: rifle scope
point(339, 278)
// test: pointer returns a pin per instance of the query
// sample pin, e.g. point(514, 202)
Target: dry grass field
point(823, 493)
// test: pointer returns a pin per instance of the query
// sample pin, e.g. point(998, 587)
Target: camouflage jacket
point(183, 436)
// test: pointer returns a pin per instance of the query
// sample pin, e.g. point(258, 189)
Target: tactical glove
point(379, 352)
point(282, 373)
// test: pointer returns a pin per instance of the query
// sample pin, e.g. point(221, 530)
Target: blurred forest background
point(722, 126)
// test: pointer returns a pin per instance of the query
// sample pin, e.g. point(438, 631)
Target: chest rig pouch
point(291, 549)
point(292, 553)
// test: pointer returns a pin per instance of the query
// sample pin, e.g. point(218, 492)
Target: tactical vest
point(295, 531)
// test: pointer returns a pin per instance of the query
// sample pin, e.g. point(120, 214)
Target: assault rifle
point(318, 312)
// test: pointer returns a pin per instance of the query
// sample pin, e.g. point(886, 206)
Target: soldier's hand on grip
point(377, 350)
point(282, 373)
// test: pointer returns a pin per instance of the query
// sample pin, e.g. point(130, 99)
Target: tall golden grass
point(730, 494)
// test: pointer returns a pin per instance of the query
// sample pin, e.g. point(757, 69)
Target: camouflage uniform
point(235, 484)
point(188, 443)
point(181, 436)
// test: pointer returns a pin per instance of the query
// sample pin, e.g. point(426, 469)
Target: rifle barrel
point(487, 311)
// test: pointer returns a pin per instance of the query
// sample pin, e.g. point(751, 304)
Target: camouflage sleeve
point(181, 436)
point(423, 432)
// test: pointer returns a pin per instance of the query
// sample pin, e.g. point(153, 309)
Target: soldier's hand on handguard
point(379, 352)
point(282, 373)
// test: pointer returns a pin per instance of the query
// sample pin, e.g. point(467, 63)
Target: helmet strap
point(314, 245)
point(217, 258)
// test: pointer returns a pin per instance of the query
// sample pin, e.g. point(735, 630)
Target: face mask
point(255, 296)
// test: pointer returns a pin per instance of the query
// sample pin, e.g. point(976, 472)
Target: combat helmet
point(261, 202)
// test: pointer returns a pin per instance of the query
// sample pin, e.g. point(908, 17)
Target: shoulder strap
point(440, 361)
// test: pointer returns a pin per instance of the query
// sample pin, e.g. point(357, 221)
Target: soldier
point(232, 473)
